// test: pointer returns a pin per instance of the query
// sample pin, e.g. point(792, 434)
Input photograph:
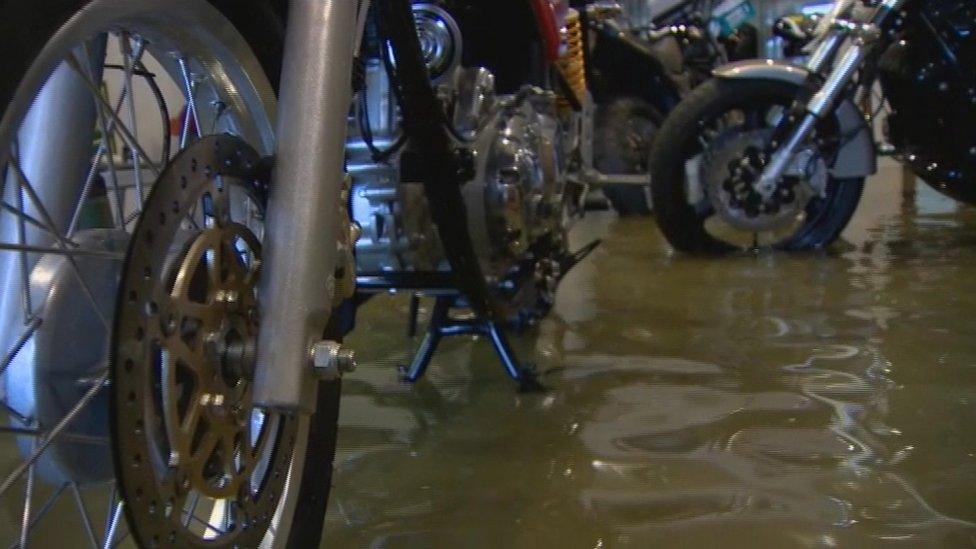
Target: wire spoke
point(191, 105)
point(131, 217)
point(43, 511)
point(19, 431)
point(36, 201)
point(107, 127)
point(192, 510)
point(102, 104)
point(70, 252)
point(22, 239)
point(130, 58)
point(113, 172)
point(120, 539)
point(113, 526)
point(27, 218)
point(113, 496)
point(70, 437)
point(29, 330)
point(85, 191)
point(86, 519)
point(26, 517)
point(53, 434)
point(28, 188)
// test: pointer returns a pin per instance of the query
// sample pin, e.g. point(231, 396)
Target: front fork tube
point(818, 107)
point(302, 229)
point(824, 101)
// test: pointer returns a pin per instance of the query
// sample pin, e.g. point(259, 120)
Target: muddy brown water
point(815, 400)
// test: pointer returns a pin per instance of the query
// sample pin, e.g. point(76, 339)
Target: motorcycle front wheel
point(132, 134)
point(708, 156)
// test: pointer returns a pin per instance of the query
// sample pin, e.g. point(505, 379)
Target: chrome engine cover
point(514, 201)
point(517, 197)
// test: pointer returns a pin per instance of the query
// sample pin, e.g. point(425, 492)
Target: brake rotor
point(185, 427)
point(733, 165)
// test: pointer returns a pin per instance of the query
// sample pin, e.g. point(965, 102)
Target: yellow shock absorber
point(572, 63)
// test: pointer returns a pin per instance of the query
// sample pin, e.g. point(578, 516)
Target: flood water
point(817, 400)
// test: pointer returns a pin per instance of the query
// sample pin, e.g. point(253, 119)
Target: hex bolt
point(212, 400)
point(211, 338)
point(355, 232)
point(330, 360)
point(226, 296)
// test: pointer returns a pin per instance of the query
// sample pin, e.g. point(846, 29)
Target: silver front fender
point(857, 157)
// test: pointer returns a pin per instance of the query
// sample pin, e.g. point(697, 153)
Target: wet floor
point(819, 400)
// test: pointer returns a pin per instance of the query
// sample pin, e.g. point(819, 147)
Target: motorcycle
point(639, 66)
point(515, 129)
point(770, 154)
point(633, 81)
point(176, 288)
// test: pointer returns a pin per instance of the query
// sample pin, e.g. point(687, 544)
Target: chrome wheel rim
point(184, 60)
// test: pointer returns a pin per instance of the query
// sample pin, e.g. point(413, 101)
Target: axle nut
point(330, 360)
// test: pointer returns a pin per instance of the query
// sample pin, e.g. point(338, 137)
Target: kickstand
point(442, 325)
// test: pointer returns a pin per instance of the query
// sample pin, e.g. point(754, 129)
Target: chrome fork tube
point(818, 107)
point(825, 52)
point(302, 228)
point(842, 74)
point(866, 37)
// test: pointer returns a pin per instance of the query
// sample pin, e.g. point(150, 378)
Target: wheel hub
point(58, 365)
point(220, 340)
point(732, 169)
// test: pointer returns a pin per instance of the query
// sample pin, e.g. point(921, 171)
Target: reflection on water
point(822, 400)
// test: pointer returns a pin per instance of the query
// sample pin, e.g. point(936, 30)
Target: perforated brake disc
point(197, 463)
point(734, 163)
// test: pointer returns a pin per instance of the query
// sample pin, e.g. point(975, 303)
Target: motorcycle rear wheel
point(62, 252)
point(625, 129)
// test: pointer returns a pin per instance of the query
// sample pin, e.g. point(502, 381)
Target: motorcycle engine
point(514, 201)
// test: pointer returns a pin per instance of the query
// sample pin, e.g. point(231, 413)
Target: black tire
point(625, 128)
point(26, 27)
point(682, 223)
